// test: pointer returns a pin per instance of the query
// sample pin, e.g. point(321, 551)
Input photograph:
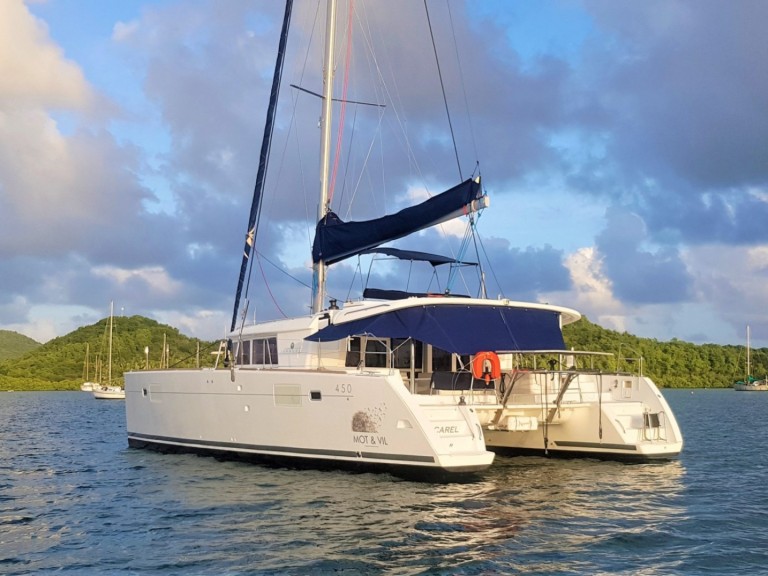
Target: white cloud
point(124, 30)
point(155, 279)
point(33, 70)
point(592, 292)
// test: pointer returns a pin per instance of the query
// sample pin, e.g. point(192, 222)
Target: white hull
point(760, 386)
point(345, 417)
point(108, 393)
point(320, 403)
point(88, 386)
point(629, 420)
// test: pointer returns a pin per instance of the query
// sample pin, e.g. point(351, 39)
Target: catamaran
point(289, 399)
point(415, 383)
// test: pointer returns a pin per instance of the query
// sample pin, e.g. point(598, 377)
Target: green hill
point(60, 363)
point(13, 344)
point(673, 364)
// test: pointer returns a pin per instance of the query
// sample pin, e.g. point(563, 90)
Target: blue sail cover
point(336, 240)
point(462, 329)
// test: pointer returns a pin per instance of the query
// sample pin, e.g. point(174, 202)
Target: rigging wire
point(266, 144)
point(493, 272)
point(442, 87)
point(461, 76)
point(342, 113)
point(272, 296)
point(291, 276)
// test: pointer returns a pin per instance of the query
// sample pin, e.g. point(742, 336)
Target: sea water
point(75, 499)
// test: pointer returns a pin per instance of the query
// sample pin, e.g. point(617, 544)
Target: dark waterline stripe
point(239, 447)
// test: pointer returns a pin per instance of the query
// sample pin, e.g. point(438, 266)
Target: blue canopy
point(336, 240)
point(462, 329)
point(415, 255)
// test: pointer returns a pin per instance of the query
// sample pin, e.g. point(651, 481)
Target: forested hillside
point(13, 344)
point(673, 364)
point(60, 363)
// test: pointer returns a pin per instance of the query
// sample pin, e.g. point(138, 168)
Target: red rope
point(342, 114)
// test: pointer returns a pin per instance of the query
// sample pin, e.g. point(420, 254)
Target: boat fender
point(486, 366)
point(232, 372)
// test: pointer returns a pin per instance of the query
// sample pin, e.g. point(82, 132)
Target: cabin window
point(353, 353)
point(401, 352)
point(245, 352)
point(376, 352)
point(443, 361)
point(258, 351)
point(272, 350)
point(265, 351)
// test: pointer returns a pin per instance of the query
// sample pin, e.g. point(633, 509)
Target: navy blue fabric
point(336, 240)
point(434, 259)
point(461, 329)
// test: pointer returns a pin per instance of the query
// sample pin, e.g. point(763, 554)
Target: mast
point(318, 268)
point(749, 368)
point(109, 370)
point(266, 143)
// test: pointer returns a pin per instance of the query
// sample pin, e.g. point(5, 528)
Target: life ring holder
point(486, 366)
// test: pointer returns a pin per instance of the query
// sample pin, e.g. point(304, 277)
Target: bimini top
point(459, 328)
point(416, 256)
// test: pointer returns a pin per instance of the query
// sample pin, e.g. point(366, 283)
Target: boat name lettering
point(344, 388)
point(447, 429)
point(369, 440)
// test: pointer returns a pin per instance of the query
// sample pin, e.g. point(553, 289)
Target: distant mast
point(318, 268)
point(109, 369)
point(749, 367)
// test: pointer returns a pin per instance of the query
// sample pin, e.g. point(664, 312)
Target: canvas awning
point(462, 329)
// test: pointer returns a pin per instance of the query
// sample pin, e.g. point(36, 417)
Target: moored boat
point(750, 383)
point(421, 384)
point(108, 390)
point(285, 398)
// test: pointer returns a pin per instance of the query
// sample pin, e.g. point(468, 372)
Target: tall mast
point(266, 143)
point(318, 269)
point(749, 368)
point(109, 370)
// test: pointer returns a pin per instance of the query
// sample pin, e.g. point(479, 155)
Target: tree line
point(139, 342)
point(671, 364)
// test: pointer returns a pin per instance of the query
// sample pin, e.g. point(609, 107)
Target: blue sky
point(624, 146)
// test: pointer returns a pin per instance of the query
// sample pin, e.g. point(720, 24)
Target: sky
point(623, 145)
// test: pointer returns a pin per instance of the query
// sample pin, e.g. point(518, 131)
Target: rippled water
point(74, 498)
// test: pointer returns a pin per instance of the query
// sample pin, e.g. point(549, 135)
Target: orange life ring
point(486, 366)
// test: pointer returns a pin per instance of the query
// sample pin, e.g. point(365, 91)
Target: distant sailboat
point(109, 391)
point(88, 385)
point(750, 383)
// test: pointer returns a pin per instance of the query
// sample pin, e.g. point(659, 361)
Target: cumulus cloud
point(33, 70)
point(654, 110)
point(639, 275)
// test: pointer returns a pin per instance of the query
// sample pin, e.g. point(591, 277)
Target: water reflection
point(311, 521)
